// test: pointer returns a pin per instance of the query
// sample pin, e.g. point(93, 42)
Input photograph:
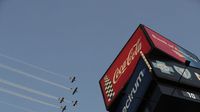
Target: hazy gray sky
point(81, 37)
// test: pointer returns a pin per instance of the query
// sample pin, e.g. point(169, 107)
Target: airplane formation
point(61, 100)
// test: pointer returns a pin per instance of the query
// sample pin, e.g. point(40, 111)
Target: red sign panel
point(166, 45)
point(123, 66)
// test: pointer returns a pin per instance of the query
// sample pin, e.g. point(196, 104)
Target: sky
point(77, 38)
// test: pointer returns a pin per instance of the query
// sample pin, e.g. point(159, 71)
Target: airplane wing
point(61, 100)
point(63, 108)
point(75, 91)
point(72, 79)
point(75, 103)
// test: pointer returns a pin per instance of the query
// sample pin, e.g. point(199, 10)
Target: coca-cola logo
point(134, 51)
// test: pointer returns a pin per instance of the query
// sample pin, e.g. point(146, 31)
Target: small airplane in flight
point(74, 103)
point(61, 99)
point(75, 91)
point(63, 108)
point(72, 79)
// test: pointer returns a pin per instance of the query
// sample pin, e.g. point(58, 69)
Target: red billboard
point(172, 49)
point(123, 66)
point(165, 45)
point(143, 39)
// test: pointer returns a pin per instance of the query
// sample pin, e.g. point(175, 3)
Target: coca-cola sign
point(123, 66)
point(131, 55)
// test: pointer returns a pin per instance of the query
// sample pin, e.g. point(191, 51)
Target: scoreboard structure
point(152, 74)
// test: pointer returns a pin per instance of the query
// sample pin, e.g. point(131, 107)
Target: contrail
point(30, 90)
point(28, 98)
point(31, 65)
point(17, 107)
point(34, 77)
point(27, 89)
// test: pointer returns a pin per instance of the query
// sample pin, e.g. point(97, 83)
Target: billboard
point(147, 41)
point(172, 49)
point(123, 66)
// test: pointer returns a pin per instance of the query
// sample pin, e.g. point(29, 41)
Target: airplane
point(63, 108)
point(72, 79)
point(75, 103)
point(61, 99)
point(75, 91)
